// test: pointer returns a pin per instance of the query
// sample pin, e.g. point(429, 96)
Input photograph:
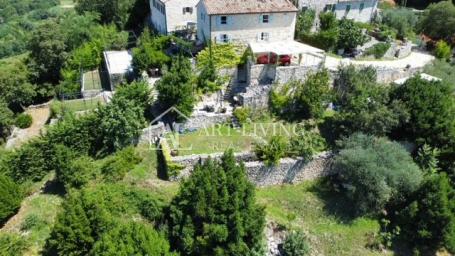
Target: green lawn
point(320, 213)
point(83, 104)
point(92, 80)
point(218, 138)
point(443, 70)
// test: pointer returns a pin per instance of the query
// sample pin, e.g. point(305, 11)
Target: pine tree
point(175, 87)
point(429, 220)
point(215, 212)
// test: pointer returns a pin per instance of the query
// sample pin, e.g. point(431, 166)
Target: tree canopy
point(215, 212)
point(375, 172)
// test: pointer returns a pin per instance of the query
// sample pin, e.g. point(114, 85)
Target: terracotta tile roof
point(248, 6)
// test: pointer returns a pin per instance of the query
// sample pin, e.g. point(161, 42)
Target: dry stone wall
point(288, 171)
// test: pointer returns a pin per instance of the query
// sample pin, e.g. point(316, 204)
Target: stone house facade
point(168, 16)
point(244, 21)
point(358, 10)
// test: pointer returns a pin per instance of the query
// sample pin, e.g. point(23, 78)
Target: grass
point(37, 214)
point(218, 138)
point(67, 3)
point(83, 104)
point(322, 214)
point(443, 70)
point(92, 80)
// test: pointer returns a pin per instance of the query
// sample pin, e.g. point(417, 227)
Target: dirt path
point(20, 136)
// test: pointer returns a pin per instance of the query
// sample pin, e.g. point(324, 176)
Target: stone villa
point(358, 10)
point(245, 21)
point(168, 16)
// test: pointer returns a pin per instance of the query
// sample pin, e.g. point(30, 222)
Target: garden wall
point(288, 171)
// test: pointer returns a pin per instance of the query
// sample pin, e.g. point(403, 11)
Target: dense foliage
point(402, 20)
point(374, 172)
point(24, 120)
point(92, 217)
point(11, 197)
point(304, 23)
point(18, 19)
point(443, 51)
point(428, 221)
point(272, 151)
point(176, 89)
point(351, 35)
point(215, 212)
point(150, 52)
point(296, 244)
point(222, 55)
point(302, 100)
point(438, 21)
point(126, 14)
point(431, 108)
point(364, 105)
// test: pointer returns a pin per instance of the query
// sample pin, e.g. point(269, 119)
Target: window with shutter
point(223, 20)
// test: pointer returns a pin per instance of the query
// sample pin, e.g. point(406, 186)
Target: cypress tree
point(215, 212)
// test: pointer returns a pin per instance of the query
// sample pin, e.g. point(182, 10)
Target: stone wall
point(201, 120)
point(256, 97)
point(288, 73)
point(152, 133)
point(399, 50)
point(288, 171)
point(191, 160)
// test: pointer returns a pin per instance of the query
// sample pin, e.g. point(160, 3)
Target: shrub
point(375, 172)
point(171, 169)
point(351, 35)
point(364, 105)
point(131, 239)
point(307, 143)
point(12, 244)
point(402, 20)
point(24, 120)
point(272, 151)
point(429, 219)
point(378, 50)
point(302, 100)
point(32, 221)
point(77, 173)
point(215, 212)
point(176, 89)
point(296, 244)
point(11, 197)
point(90, 213)
point(31, 162)
point(305, 21)
point(431, 107)
point(443, 50)
point(222, 55)
point(116, 167)
point(242, 114)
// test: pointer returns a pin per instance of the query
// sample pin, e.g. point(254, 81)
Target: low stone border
point(288, 171)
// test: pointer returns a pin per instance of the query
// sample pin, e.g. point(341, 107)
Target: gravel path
point(414, 60)
point(19, 136)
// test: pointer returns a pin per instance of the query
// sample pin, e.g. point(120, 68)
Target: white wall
point(246, 28)
point(203, 23)
point(174, 18)
point(370, 7)
point(157, 17)
point(364, 15)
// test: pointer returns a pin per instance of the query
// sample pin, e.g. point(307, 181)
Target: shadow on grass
point(53, 187)
point(335, 203)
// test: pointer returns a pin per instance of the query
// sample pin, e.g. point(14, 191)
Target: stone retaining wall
point(201, 120)
point(152, 133)
point(288, 171)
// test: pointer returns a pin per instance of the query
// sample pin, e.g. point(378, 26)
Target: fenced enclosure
point(75, 102)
